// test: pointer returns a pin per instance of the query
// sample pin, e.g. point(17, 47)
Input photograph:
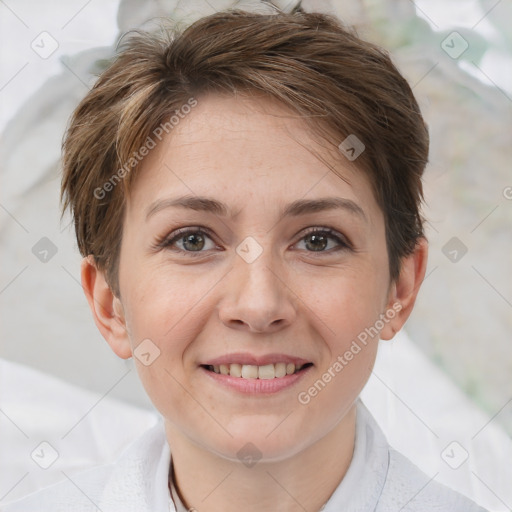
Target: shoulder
point(402, 485)
point(408, 489)
point(137, 480)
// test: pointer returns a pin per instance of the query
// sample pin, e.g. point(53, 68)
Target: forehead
point(247, 149)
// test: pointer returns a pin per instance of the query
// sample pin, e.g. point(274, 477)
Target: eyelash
point(180, 233)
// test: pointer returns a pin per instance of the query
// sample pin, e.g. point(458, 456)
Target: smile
point(249, 371)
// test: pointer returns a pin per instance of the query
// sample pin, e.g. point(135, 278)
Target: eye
point(189, 240)
point(194, 241)
point(317, 240)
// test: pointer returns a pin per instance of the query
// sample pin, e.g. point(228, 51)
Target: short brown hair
point(309, 62)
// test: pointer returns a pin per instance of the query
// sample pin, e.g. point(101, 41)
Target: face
point(270, 281)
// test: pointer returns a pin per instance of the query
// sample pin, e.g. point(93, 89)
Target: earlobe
point(404, 290)
point(106, 308)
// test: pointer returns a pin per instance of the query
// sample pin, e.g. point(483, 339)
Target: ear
point(106, 308)
point(403, 291)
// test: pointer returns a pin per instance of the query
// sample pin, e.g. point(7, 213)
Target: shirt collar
point(363, 483)
point(140, 474)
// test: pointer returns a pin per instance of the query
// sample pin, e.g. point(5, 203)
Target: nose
point(256, 298)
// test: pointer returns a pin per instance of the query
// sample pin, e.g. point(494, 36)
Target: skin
point(253, 156)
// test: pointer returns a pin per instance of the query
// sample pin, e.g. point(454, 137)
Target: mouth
point(254, 372)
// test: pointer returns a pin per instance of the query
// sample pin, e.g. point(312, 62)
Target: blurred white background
point(456, 54)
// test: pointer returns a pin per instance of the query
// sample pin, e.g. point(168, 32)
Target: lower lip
point(257, 386)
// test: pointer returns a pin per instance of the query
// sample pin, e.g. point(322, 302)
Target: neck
point(207, 482)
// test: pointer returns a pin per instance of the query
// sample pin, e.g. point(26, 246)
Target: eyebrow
point(294, 209)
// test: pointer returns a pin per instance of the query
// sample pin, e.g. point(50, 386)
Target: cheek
point(165, 311)
point(168, 390)
point(161, 303)
point(347, 302)
point(348, 311)
point(347, 308)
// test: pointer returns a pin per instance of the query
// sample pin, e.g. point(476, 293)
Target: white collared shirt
point(379, 479)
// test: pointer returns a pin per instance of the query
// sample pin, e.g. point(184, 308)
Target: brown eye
point(193, 242)
point(318, 240)
point(189, 241)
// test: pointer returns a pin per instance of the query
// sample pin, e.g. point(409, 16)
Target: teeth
point(280, 369)
point(266, 372)
point(235, 370)
point(249, 371)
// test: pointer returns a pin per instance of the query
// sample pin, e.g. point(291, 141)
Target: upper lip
point(246, 358)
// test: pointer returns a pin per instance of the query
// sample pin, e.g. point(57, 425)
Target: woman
point(246, 195)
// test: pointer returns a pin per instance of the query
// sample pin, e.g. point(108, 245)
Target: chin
point(265, 441)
